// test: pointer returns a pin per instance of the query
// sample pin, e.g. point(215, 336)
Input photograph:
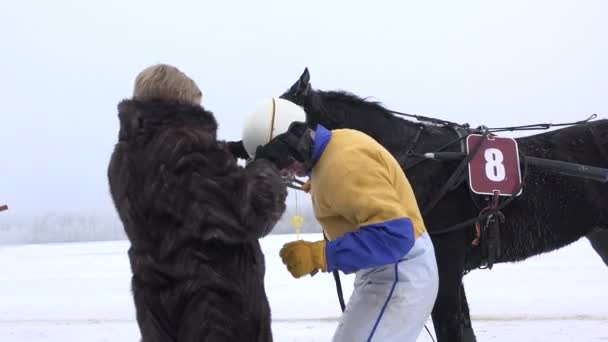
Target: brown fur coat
point(193, 217)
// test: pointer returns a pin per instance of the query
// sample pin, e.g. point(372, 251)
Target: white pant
point(392, 302)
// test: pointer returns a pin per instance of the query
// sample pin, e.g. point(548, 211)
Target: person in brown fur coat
point(192, 215)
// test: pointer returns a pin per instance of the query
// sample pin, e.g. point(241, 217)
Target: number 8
point(495, 169)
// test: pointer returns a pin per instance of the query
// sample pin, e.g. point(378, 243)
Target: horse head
point(343, 109)
point(302, 94)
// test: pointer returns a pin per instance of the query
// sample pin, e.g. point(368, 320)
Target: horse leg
point(599, 242)
point(450, 250)
point(467, 331)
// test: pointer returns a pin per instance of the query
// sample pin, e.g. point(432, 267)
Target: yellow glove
point(304, 257)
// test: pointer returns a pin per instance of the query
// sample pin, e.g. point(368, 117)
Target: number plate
point(495, 166)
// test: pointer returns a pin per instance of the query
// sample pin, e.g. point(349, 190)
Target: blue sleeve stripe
point(373, 245)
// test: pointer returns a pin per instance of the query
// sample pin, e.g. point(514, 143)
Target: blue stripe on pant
point(390, 294)
point(392, 302)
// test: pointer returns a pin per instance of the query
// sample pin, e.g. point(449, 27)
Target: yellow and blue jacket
point(363, 200)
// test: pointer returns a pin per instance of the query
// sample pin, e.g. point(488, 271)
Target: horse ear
point(305, 77)
point(300, 90)
point(303, 88)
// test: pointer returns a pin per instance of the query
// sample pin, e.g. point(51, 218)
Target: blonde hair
point(162, 81)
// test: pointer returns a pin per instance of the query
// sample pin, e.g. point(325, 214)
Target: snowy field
point(80, 292)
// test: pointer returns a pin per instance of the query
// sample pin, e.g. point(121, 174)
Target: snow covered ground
point(80, 292)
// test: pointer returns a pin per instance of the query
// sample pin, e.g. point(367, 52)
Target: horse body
point(553, 210)
point(556, 210)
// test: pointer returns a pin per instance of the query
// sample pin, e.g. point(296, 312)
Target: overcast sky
point(66, 64)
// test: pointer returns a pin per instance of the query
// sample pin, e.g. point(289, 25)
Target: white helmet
point(270, 119)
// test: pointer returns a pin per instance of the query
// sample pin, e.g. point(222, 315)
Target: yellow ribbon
point(297, 220)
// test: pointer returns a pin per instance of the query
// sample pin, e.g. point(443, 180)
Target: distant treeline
point(94, 226)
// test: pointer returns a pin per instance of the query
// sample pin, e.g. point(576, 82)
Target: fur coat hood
point(142, 119)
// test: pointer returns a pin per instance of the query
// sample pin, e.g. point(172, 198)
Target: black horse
point(552, 212)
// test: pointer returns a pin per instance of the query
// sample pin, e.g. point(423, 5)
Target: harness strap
point(454, 180)
point(475, 220)
point(490, 234)
point(338, 283)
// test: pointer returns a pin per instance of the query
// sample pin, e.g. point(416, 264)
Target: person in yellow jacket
point(366, 206)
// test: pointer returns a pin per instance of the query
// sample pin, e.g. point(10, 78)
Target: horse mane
point(346, 100)
point(350, 99)
point(342, 109)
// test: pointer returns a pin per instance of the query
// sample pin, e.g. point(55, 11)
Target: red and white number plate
point(495, 166)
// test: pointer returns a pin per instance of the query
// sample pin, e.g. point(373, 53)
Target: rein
point(466, 126)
